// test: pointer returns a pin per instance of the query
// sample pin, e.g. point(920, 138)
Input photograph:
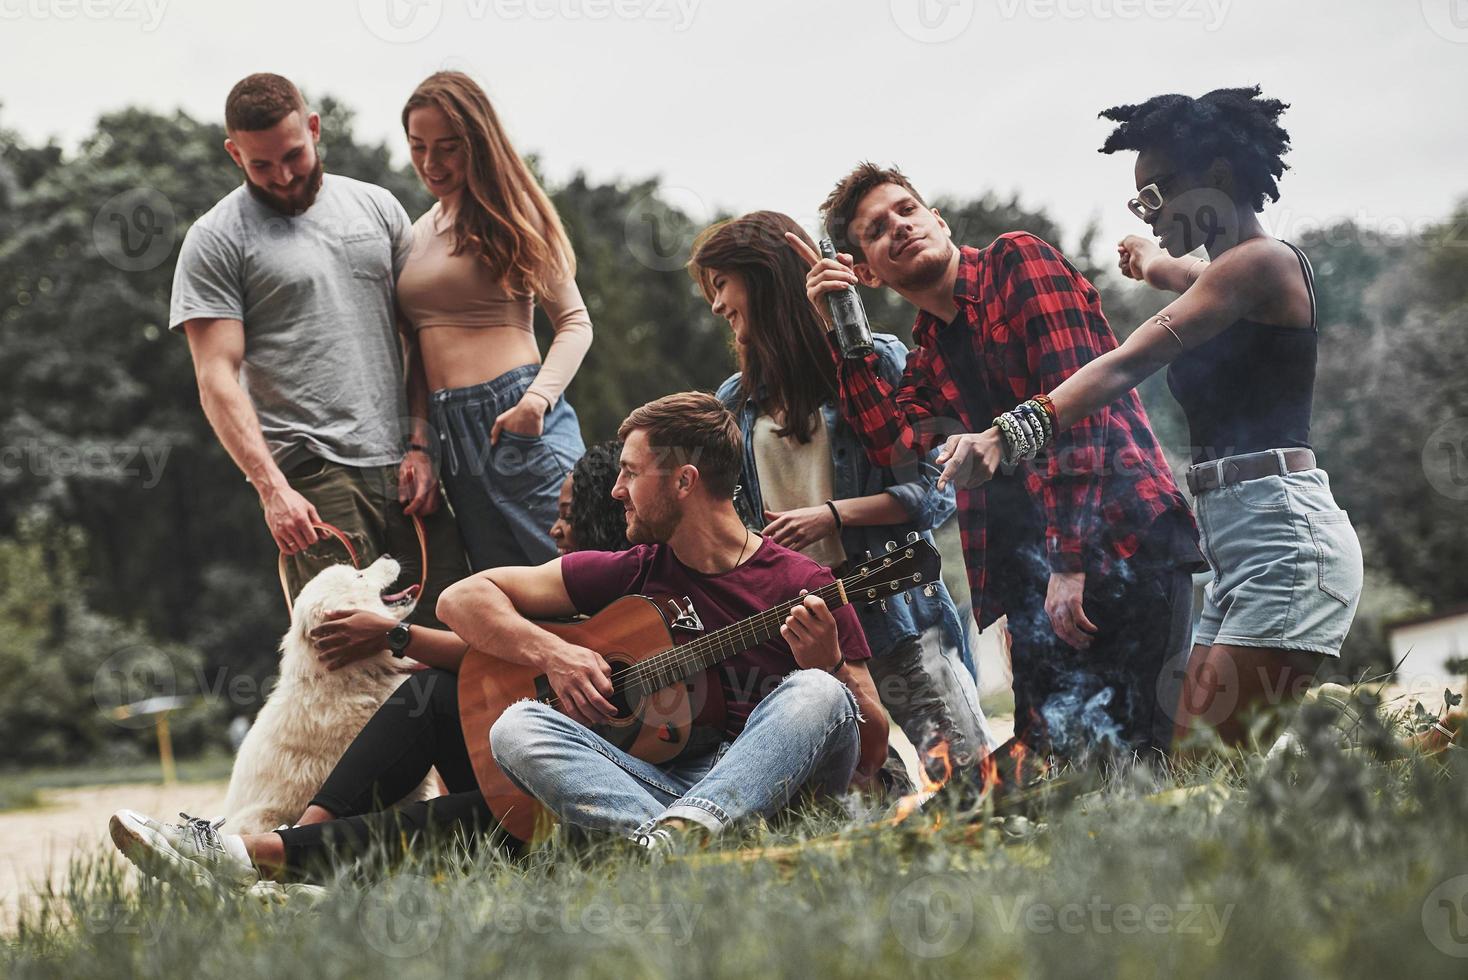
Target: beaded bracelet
point(1027, 429)
point(1031, 431)
point(1046, 421)
point(1048, 407)
point(1038, 420)
point(1044, 402)
point(1026, 441)
point(1042, 433)
point(1042, 406)
point(1009, 431)
point(1017, 443)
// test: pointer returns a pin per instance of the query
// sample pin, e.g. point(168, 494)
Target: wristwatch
point(398, 639)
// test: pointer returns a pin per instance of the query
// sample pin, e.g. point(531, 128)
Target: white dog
point(313, 714)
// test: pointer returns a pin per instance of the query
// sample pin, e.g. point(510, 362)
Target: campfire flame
point(1017, 752)
point(988, 771)
point(1013, 764)
point(938, 754)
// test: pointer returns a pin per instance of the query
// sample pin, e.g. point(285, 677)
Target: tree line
point(132, 553)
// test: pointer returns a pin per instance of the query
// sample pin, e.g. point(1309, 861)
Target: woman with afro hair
point(1239, 345)
point(589, 519)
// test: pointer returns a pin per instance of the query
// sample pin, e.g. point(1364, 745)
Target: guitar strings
point(675, 659)
point(664, 667)
point(737, 635)
point(755, 628)
point(741, 635)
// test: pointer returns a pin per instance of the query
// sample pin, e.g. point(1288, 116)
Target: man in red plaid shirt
point(1089, 548)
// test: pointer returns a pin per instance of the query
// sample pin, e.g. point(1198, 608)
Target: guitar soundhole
point(626, 708)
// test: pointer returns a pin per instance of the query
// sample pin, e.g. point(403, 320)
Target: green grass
point(1334, 864)
point(21, 789)
point(18, 795)
point(998, 704)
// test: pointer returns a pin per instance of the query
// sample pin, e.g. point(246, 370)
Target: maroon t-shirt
point(772, 575)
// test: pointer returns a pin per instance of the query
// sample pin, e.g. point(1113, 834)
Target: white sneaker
point(657, 843)
point(299, 894)
point(194, 850)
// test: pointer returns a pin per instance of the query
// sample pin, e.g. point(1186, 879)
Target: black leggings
point(415, 730)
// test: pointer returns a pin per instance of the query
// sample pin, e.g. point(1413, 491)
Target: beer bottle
point(853, 333)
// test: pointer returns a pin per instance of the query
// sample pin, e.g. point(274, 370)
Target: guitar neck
point(687, 659)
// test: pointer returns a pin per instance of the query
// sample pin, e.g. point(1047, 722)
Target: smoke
point(1077, 724)
point(1086, 701)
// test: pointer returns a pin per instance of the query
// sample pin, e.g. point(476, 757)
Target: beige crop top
point(439, 289)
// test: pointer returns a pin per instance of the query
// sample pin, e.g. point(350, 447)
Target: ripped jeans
point(801, 737)
point(928, 691)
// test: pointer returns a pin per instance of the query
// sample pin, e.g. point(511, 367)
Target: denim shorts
point(1286, 565)
point(504, 496)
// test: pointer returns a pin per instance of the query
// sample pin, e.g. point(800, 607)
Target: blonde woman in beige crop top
point(470, 329)
point(470, 325)
point(482, 257)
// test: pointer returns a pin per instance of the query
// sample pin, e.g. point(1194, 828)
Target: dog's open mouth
point(403, 598)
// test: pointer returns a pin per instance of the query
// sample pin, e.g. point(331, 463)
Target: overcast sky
point(742, 104)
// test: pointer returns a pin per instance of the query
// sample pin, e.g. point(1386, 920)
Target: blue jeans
point(504, 496)
point(928, 691)
point(801, 736)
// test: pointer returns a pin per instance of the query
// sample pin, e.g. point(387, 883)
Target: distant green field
point(1338, 863)
point(20, 789)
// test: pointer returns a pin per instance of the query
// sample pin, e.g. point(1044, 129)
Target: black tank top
point(1249, 388)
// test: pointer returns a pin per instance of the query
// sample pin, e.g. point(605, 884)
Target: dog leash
point(340, 535)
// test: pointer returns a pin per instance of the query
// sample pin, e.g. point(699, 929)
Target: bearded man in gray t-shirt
point(285, 292)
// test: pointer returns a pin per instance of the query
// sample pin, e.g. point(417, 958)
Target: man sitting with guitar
point(789, 708)
point(811, 731)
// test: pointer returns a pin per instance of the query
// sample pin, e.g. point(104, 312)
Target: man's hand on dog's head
point(349, 635)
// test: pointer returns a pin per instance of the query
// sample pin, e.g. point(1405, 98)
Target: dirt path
point(36, 844)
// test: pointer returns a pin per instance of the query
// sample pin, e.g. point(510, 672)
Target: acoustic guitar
point(669, 697)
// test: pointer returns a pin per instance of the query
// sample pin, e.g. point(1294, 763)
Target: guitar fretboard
point(687, 659)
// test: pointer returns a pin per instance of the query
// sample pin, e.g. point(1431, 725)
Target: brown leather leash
point(336, 532)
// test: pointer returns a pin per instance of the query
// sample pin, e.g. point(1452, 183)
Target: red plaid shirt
point(1027, 320)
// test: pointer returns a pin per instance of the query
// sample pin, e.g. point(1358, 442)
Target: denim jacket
point(915, 486)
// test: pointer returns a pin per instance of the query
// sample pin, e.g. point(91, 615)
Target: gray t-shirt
point(323, 365)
